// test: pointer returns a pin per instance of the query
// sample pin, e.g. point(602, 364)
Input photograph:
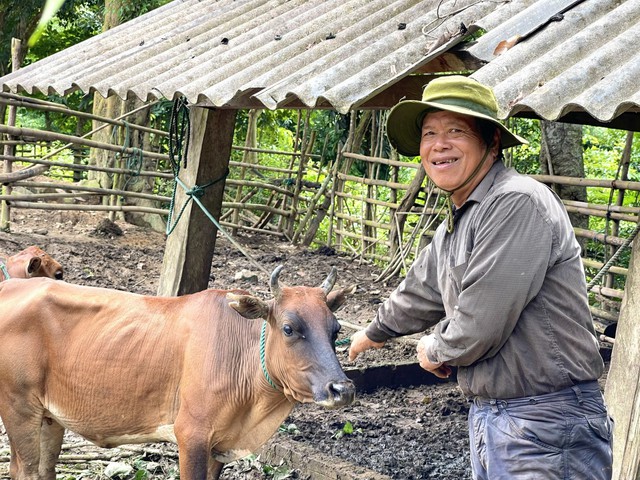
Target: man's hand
point(360, 342)
point(440, 370)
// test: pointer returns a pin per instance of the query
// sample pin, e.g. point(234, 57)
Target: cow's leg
point(22, 418)
point(51, 435)
point(13, 462)
point(193, 448)
point(24, 439)
point(215, 467)
point(194, 459)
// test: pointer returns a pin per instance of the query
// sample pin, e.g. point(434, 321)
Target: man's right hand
point(360, 342)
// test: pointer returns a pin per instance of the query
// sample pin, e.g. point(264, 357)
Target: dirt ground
point(406, 433)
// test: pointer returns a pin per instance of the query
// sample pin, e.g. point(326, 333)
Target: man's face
point(450, 150)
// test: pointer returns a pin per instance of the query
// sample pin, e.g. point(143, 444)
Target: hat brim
point(404, 127)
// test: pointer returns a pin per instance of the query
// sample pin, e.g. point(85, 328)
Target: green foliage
point(526, 158)
point(134, 8)
point(346, 430)
point(51, 7)
point(83, 22)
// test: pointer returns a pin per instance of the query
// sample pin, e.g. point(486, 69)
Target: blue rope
point(3, 269)
point(263, 362)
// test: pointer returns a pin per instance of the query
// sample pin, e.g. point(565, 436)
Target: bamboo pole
point(247, 159)
point(362, 198)
point(608, 292)
point(603, 208)
point(380, 160)
point(88, 208)
point(276, 152)
point(72, 166)
point(81, 114)
point(259, 207)
point(21, 132)
point(9, 150)
point(10, 199)
point(357, 236)
point(371, 181)
point(588, 182)
point(98, 190)
point(33, 171)
point(364, 221)
point(308, 139)
point(257, 166)
point(600, 237)
point(598, 265)
point(253, 229)
point(623, 170)
point(603, 214)
point(302, 225)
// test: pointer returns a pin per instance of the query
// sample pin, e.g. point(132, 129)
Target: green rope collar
point(263, 362)
point(3, 269)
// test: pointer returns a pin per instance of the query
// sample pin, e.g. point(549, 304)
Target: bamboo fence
point(385, 215)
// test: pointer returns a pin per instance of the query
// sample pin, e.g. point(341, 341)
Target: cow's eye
point(288, 331)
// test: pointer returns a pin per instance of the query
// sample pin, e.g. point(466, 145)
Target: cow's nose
point(342, 393)
point(58, 275)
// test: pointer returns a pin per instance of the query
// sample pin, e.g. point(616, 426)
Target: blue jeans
point(564, 435)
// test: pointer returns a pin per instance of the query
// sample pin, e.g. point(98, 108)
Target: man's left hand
point(440, 370)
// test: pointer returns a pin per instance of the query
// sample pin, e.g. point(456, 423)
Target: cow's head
point(34, 262)
point(299, 351)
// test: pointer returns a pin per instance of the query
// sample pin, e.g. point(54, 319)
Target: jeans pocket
point(539, 431)
point(601, 426)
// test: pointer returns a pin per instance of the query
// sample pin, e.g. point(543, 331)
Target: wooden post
point(9, 150)
point(622, 391)
point(189, 250)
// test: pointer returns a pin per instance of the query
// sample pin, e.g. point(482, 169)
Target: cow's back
point(69, 343)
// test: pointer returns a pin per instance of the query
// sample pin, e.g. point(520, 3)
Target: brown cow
point(30, 262)
point(197, 370)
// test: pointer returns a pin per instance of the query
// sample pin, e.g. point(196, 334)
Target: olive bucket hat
point(454, 93)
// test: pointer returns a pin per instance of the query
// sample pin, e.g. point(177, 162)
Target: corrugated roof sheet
point(582, 66)
point(574, 55)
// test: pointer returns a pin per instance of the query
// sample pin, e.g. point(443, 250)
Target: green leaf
point(348, 428)
point(49, 11)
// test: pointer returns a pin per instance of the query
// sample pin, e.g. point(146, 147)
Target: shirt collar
point(485, 184)
point(480, 191)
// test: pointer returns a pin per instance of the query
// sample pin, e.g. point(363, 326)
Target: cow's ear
point(33, 266)
point(248, 306)
point(336, 298)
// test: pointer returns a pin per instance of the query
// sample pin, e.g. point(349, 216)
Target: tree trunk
point(561, 154)
point(143, 184)
point(106, 107)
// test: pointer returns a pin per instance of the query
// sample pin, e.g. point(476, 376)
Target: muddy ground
point(405, 433)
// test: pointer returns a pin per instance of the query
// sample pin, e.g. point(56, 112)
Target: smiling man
point(502, 285)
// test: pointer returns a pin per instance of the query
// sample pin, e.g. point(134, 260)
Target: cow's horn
point(330, 281)
point(275, 284)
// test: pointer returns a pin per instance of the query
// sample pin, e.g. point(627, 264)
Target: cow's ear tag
point(248, 306)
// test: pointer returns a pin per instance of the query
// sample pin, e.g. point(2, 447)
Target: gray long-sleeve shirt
point(506, 292)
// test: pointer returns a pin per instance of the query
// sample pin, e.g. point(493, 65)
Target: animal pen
point(385, 215)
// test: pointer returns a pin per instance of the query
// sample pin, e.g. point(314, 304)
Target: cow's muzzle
point(338, 394)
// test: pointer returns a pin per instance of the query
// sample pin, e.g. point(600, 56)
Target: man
point(502, 284)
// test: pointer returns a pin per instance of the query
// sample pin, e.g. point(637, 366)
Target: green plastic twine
point(263, 362)
point(3, 269)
